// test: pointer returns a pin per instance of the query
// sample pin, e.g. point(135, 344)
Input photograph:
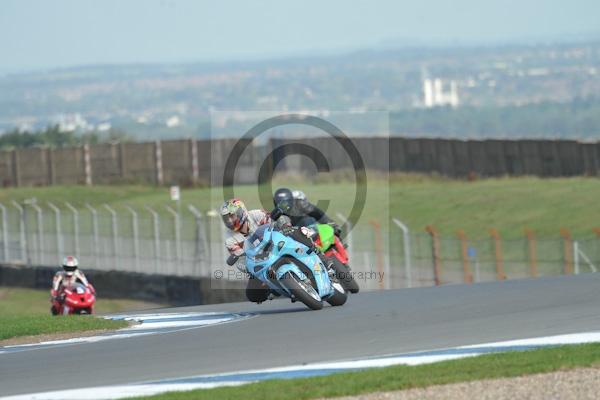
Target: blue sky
point(39, 34)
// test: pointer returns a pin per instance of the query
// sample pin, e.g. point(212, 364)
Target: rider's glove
point(309, 232)
point(241, 266)
point(336, 228)
point(287, 230)
point(276, 213)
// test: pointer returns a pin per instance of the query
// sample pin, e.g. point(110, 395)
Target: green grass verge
point(12, 326)
point(25, 312)
point(21, 301)
point(508, 204)
point(404, 377)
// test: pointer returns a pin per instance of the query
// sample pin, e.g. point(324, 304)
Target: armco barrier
point(116, 284)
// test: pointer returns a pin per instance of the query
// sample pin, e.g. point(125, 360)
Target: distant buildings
point(154, 100)
point(439, 93)
point(104, 127)
point(72, 122)
point(173, 121)
point(77, 123)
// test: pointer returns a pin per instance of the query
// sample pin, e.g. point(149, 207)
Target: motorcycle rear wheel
point(342, 272)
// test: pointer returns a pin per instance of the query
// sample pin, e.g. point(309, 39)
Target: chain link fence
point(164, 240)
point(141, 239)
point(445, 259)
point(188, 241)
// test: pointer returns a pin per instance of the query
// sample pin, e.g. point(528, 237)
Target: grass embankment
point(404, 377)
point(26, 312)
point(12, 326)
point(507, 204)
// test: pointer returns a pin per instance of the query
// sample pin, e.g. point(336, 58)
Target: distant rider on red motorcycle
point(69, 276)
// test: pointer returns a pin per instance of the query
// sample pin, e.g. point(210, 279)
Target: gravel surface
point(579, 384)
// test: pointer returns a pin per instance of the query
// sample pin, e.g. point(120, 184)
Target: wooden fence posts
point(87, 164)
point(528, 264)
point(532, 252)
point(568, 250)
point(500, 275)
point(435, 249)
point(468, 277)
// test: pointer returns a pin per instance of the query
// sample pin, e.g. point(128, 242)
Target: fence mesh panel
point(194, 247)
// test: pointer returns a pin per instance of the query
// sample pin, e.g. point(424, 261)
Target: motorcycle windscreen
point(77, 288)
point(254, 242)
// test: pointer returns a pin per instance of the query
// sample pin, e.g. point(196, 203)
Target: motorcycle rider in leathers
point(295, 206)
point(70, 275)
point(243, 223)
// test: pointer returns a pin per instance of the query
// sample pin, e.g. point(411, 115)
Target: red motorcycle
point(74, 299)
point(331, 245)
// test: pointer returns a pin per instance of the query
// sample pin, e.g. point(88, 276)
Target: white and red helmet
point(70, 264)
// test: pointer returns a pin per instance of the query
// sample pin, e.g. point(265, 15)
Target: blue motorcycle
point(291, 269)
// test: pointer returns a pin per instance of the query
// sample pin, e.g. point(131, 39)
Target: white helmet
point(70, 264)
point(298, 195)
point(300, 199)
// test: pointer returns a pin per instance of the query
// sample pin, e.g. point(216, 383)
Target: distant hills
point(525, 91)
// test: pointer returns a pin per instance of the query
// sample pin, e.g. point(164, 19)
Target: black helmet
point(283, 199)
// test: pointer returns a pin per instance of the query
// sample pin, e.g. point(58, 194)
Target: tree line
point(52, 136)
point(578, 119)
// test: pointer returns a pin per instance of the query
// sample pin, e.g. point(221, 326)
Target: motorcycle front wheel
point(339, 296)
point(302, 291)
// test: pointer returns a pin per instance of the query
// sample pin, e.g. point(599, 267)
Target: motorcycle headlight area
point(264, 253)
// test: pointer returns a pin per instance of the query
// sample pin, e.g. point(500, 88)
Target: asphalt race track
point(281, 333)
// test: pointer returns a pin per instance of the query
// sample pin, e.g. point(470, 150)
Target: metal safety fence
point(166, 240)
point(125, 238)
point(429, 258)
point(189, 241)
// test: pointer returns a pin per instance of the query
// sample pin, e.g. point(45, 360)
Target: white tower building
point(437, 93)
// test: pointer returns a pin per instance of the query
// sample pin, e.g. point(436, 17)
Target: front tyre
point(302, 291)
point(339, 296)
